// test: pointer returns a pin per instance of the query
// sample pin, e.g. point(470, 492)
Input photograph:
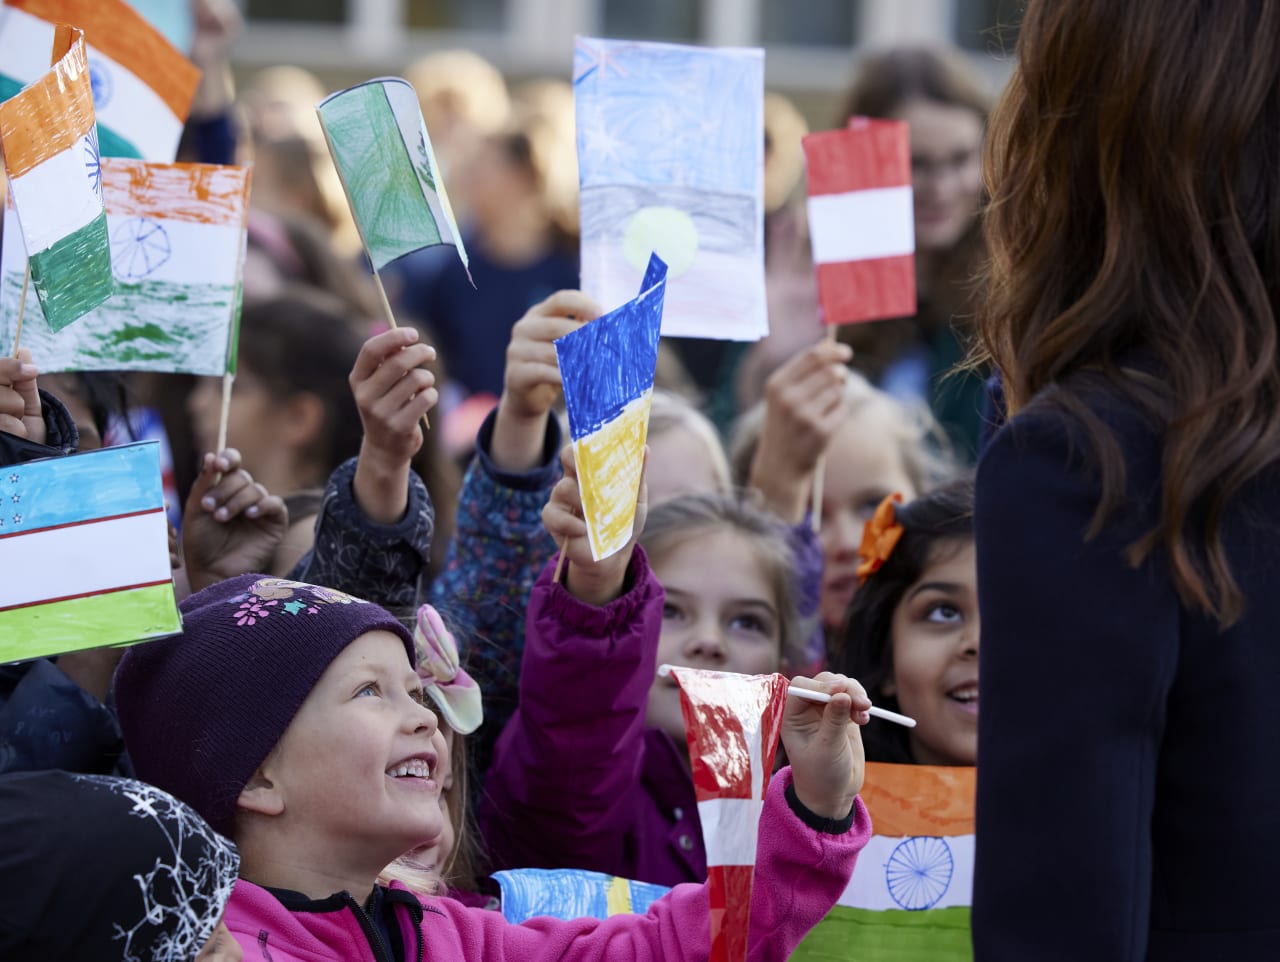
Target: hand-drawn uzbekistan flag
point(85, 550)
point(142, 85)
point(177, 252)
point(607, 369)
point(381, 148)
point(570, 893)
point(51, 157)
point(910, 893)
point(732, 723)
point(861, 222)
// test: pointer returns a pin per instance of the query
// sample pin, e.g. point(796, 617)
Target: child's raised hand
point(594, 582)
point(231, 525)
point(804, 405)
point(20, 411)
point(393, 392)
point(824, 746)
point(531, 381)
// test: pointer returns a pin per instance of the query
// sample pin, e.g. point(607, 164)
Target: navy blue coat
point(1128, 750)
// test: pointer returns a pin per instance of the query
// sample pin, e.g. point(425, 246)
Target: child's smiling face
point(359, 770)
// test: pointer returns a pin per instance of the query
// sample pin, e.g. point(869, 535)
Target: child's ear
point(304, 418)
point(260, 794)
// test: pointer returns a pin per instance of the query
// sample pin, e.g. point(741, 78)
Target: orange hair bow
point(879, 537)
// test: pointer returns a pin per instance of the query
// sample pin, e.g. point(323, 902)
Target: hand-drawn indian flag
point(861, 220)
point(380, 146)
point(570, 893)
point(732, 723)
point(51, 156)
point(142, 85)
point(84, 546)
point(177, 253)
point(910, 894)
point(607, 369)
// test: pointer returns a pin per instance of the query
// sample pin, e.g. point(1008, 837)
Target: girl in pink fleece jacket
point(290, 716)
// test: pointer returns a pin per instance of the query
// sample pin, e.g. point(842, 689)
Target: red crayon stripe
point(867, 290)
point(84, 594)
point(876, 154)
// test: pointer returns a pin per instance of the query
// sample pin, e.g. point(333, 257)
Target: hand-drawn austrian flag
point(51, 155)
point(383, 153)
point(177, 251)
point(732, 723)
point(607, 368)
point(861, 221)
point(671, 160)
point(142, 85)
point(910, 893)
point(84, 545)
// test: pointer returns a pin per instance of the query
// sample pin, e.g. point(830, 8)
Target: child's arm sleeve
point(1079, 651)
point(382, 563)
point(567, 768)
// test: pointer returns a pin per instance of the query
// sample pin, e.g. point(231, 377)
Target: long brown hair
point(1133, 166)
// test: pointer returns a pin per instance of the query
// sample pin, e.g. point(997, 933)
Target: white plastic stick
point(808, 694)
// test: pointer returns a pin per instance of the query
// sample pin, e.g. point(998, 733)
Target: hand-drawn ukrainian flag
point(84, 546)
point(381, 148)
point(55, 175)
point(142, 85)
point(568, 893)
point(177, 252)
point(607, 369)
point(910, 894)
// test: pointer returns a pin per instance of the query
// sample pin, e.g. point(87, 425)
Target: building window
point(652, 20)
point(313, 11)
point(457, 14)
point(988, 26)
point(821, 23)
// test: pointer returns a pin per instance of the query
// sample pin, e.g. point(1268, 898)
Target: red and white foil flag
point(732, 723)
point(861, 220)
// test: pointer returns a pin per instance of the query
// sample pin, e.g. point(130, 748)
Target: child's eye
point(670, 611)
point(419, 695)
point(943, 613)
point(752, 623)
point(369, 689)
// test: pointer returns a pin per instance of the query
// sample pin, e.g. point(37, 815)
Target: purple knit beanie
point(202, 710)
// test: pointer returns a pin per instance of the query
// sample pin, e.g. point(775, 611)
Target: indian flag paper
point(861, 220)
point(671, 160)
point(732, 723)
point(380, 146)
point(142, 85)
point(607, 369)
point(177, 252)
point(85, 549)
point(55, 178)
point(910, 894)
point(570, 893)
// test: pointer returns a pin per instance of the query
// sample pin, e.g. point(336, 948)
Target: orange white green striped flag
point(55, 176)
point(177, 252)
point(912, 888)
point(142, 85)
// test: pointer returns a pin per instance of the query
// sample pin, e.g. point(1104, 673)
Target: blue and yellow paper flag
point(567, 893)
point(84, 546)
point(607, 368)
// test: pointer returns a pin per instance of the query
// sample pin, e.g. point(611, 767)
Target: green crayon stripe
point(8, 87)
point(111, 144)
point(73, 276)
point(379, 175)
point(938, 935)
point(118, 618)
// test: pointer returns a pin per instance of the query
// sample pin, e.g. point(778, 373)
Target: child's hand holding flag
point(824, 748)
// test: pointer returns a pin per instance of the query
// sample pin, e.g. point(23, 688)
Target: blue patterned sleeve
point(382, 563)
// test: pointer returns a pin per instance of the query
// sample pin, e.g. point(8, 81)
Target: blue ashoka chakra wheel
point(100, 83)
point(919, 872)
point(138, 247)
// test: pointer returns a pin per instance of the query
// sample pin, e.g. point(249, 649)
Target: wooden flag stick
point(227, 380)
point(555, 578)
point(22, 308)
point(391, 319)
point(820, 468)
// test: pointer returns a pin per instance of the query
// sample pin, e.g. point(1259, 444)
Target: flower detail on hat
point(879, 537)
point(250, 611)
point(452, 690)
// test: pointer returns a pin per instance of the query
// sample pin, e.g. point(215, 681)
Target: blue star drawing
point(13, 478)
point(293, 607)
point(17, 519)
point(93, 161)
point(17, 498)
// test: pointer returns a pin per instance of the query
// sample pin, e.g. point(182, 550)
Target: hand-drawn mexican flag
point(51, 156)
point(910, 893)
point(861, 220)
point(607, 368)
point(732, 723)
point(142, 85)
point(84, 546)
point(381, 148)
point(177, 253)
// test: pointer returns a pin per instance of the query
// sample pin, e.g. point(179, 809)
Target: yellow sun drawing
point(666, 231)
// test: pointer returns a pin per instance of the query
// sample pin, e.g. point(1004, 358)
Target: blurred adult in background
point(944, 100)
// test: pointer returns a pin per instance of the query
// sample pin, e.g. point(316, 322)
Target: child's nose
point(707, 644)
